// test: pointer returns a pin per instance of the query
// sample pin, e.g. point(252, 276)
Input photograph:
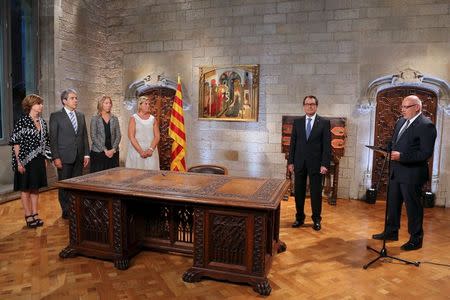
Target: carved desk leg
point(70, 251)
point(119, 231)
point(194, 274)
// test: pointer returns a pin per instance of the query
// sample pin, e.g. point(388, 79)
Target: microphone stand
point(382, 253)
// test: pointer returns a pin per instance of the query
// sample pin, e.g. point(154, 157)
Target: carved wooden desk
point(229, 224)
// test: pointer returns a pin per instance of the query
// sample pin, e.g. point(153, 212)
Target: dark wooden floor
point(317, 265)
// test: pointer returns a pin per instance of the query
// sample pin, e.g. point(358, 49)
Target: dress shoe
point(297, 224)
point(317, 226)
point(410, 245)
point(390, 236)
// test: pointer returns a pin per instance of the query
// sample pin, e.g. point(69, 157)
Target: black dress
point(35, 175)
point(34, 148)
point(99, 160)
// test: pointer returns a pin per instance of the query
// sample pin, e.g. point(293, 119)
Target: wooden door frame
point(387, 113)
point(406, 78)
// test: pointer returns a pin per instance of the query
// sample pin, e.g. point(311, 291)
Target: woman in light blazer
point(105, 135)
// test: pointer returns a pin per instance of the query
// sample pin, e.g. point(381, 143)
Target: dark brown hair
point(65, 94)
point(29, 101)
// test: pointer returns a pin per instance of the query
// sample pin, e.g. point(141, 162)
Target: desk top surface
point(222, 190)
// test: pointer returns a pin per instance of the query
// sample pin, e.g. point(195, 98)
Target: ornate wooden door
point(161, 102)
point(387, 113)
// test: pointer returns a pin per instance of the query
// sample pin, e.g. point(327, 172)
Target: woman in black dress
point(30, 147)
point(105, 135)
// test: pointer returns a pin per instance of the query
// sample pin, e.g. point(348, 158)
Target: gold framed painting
point(229, 93)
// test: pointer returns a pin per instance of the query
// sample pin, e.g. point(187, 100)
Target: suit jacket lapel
point(78, 115)
point(416, 121)
point(66, 118)
point(397, 129)
point(314, 126)
point(303, 128)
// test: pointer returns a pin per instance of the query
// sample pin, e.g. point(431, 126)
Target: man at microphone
point(412, 146)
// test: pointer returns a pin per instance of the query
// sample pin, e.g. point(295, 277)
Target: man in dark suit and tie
point(68, 142)
point(412, 146)
point(309, 156)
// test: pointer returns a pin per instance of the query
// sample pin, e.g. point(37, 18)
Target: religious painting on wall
point(229, 93)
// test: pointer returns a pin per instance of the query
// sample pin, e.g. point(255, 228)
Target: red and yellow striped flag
point(177, 132)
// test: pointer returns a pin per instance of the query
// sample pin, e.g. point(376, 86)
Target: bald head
point(411, 106)
point(413, 99)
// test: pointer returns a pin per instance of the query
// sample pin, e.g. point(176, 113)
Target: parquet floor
point(317, 265)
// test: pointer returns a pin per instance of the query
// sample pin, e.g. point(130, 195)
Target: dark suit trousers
point(68, 171)
point(315, 188)
point(411, 194)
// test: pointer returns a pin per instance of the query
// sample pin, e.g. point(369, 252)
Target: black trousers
point(411, 195)
point(315, 188)
point(68, 171)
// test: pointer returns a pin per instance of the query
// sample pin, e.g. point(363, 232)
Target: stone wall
point(80, 52)
point(332, 49)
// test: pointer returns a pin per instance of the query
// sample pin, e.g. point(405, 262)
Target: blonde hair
point(141, 100)
point(100, 103)
point(29, 101)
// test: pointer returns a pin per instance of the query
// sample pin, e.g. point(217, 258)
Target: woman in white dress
point(143, 133)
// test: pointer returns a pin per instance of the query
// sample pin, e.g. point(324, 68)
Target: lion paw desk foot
point(281, 247)
point(122, 264)
point(263, 288)
point(68, 252)
point(192, 276)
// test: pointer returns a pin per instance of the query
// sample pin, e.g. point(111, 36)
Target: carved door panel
point(161, 102)
point(387, 113)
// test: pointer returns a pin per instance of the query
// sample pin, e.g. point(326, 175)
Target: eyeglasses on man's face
point(309, 104)
point(407, 106)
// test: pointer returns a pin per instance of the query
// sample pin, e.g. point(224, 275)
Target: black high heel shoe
point(32, 223)
point(38, 221)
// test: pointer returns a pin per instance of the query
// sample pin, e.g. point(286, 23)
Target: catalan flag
point(177, 132)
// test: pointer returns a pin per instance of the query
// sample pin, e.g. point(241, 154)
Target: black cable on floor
point(434, 263)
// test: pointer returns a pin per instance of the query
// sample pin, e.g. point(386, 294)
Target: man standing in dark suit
point(309, 156)
point(412, 146)
point(69, 143)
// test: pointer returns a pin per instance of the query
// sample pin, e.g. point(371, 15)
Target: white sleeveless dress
point(144, 135)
